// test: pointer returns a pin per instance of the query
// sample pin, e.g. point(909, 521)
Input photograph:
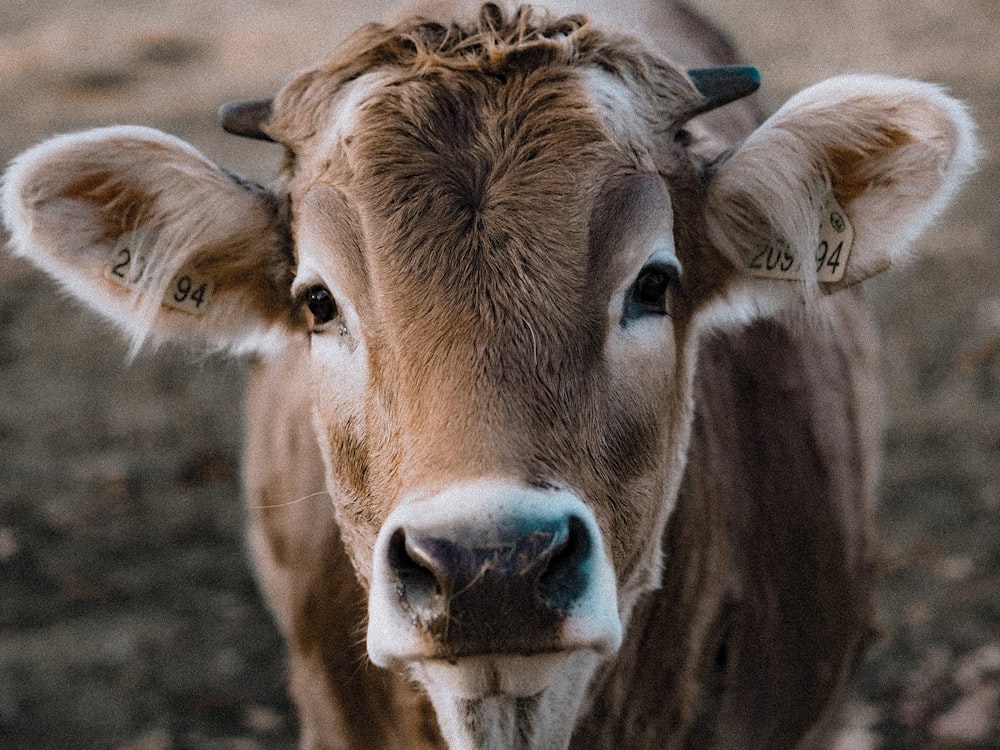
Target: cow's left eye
point(321, 304)
point(650, 294)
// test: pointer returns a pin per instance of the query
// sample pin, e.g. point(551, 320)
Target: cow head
point(496, 247)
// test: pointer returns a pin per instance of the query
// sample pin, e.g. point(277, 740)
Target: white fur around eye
point(664, 253)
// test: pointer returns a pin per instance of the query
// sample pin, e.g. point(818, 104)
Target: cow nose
point(508, 590)
point(498, 588)
point(490, 568)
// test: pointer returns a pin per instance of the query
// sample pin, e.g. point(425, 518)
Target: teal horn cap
point(246, 118)
point(723, 84)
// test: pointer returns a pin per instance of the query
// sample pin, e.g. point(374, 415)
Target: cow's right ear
point(145, 230)
point(834, 188)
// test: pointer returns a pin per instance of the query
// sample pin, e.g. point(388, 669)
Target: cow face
point(498, 296)
point(499, 334)
point(495, 249)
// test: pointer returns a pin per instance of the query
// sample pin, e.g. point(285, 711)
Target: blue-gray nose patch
point(500, 590)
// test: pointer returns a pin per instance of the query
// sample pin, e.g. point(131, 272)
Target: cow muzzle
point(492, 572)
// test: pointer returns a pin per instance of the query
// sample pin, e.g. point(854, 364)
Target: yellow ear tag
point(188, 292)
point(836, 237)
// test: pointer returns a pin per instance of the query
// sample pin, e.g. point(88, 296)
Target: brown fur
point(444, 159)
point(479, 213)
point(490, 201)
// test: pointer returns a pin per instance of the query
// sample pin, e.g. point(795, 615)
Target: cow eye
point(650, 294)
point(652, 286)
point(321, 304)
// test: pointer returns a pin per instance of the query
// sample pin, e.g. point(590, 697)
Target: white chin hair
point(508, 702)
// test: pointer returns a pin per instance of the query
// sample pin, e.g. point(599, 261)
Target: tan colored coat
point(584, 377)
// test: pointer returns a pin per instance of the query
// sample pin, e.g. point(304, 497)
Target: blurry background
point(128, 617)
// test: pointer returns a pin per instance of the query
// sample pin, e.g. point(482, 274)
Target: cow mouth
point(507, 702)
point(479, 677)
point(501, 600)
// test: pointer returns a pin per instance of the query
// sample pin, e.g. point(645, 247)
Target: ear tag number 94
point(836, 236)
point(188, 290)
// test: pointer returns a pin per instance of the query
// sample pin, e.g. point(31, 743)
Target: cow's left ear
point(835, 187)
point(149, 233)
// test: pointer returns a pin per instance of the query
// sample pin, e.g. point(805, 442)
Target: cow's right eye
point(651, 292)
point(321, 305)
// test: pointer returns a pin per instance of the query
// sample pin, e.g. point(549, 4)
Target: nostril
point(569, 550)
point(564, 578)
point(418, 579)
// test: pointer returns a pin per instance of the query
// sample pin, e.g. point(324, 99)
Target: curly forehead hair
point(495, 43)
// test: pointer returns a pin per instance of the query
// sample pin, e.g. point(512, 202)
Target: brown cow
point(579, 368)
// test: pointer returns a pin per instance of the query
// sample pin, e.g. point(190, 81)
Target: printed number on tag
point(836, 237)
point(188, 291)
point(126, 266)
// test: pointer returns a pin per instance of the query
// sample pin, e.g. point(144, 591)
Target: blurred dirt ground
point(128, 617)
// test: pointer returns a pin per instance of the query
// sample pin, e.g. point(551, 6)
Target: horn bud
point(723, 84)
point(246, 118)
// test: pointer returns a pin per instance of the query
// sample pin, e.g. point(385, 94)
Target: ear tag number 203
point(188, 291)
point(836, 236)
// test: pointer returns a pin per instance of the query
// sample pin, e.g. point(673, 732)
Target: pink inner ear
point(152, 235)
point(851, 167)
point(121, 204)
